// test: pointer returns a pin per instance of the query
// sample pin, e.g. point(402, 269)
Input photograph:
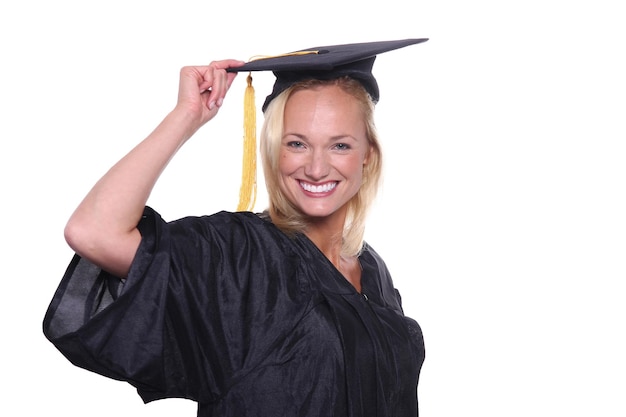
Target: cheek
point(287, 163)
point(356, 167)
point(283, 162)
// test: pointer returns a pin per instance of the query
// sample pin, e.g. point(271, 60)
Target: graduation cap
point(354, 60)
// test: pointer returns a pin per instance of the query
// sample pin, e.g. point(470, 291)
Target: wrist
point(186, 123)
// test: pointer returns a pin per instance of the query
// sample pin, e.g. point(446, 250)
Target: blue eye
point(342, 146)
point(295, 144)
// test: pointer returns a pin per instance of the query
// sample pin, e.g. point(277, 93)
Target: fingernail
point(211, 105)
point(220, 101)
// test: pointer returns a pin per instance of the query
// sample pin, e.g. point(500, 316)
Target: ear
point(367, 155)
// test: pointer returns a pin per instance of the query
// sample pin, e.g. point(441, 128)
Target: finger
point(222, 80)
point(215, 82)
point(226, 64)
point(205, 78)
point(217, 78)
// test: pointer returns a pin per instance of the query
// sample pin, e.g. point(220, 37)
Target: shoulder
point(224, 220)
point(223, 226)
point(239, 248)
point(234, 236)
point(241, 238)
point(369, 255)
point(376, 270)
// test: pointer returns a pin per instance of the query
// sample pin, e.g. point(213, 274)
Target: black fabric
point(360, 71)
point(354, 60)
point(228, 311)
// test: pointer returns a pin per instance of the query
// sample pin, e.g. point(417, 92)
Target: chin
point(317, 211)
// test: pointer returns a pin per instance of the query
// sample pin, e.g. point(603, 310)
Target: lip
point(318, 190)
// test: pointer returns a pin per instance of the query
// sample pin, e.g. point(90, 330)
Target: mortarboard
point(354, 60)
point(325, 62)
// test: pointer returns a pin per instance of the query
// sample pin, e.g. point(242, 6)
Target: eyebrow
point(335, 138)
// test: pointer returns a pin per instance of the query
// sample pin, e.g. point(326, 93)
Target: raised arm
point(103, 228)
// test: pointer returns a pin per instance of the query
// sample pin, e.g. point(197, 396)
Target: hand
point(202, 89)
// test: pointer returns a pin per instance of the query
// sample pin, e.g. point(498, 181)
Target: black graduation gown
point(230, 312)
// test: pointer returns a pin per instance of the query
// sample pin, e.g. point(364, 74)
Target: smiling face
point(323, 150)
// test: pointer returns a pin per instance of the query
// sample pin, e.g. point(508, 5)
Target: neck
point(327, 235)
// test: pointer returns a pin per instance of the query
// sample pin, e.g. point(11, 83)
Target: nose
point(317, 166)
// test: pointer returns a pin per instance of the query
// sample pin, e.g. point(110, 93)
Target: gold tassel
point(247, 192)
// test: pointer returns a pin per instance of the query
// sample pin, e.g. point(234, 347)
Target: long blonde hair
point(283, 214)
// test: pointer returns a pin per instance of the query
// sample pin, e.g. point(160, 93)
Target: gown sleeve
point(200, 293)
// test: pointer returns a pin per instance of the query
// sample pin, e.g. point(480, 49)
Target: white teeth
point(324, 188)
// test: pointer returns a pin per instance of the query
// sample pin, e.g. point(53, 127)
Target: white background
point(502, 219)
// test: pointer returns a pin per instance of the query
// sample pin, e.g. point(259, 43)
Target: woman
point(283, 313)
